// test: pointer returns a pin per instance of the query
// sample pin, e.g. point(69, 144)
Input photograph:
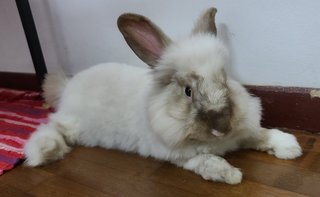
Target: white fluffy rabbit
point(184, 109)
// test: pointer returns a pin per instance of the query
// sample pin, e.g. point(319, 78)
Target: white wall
point(14, 54)
point(85, 33)
point(272, 42)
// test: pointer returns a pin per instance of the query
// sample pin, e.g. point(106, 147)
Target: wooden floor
point(98, 172)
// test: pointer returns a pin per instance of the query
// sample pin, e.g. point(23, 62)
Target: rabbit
point(183, 109)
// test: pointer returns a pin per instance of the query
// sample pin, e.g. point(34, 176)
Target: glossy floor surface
point(99, 172)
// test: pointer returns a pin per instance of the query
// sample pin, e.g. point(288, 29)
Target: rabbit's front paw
point(214, 168)
point(284, 145)
point(221, 171)
point(233, 176)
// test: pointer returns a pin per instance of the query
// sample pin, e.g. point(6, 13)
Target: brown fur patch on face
point(208, 108)
point(200, 130)
point(163, 77)
point(214, 108)
point(217, 120)
point(188, 79)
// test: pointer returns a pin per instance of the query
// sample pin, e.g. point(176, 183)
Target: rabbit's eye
point(187, 91)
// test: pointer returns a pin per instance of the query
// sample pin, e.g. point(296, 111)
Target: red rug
point(20, 114)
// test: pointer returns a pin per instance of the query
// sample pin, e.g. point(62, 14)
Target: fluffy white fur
point(113, 106)
point(53, 87)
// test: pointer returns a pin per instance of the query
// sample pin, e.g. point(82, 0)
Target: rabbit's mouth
point(202, 132)
point(217, 133)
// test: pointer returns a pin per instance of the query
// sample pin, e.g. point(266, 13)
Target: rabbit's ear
point(206, 22)
point(143, 37)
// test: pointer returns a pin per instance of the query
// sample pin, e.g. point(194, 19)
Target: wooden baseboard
point(289, 107)
point(20, 81)
point(283, 107)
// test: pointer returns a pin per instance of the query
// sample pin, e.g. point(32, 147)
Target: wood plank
point(58, 186)
point(188, 181)
point(116, 182)
point(291, 178)
point(25, 178)
point(310, 142)
point(116, 159)
point(9, 191)
point(100, 172)
point(118, 163)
